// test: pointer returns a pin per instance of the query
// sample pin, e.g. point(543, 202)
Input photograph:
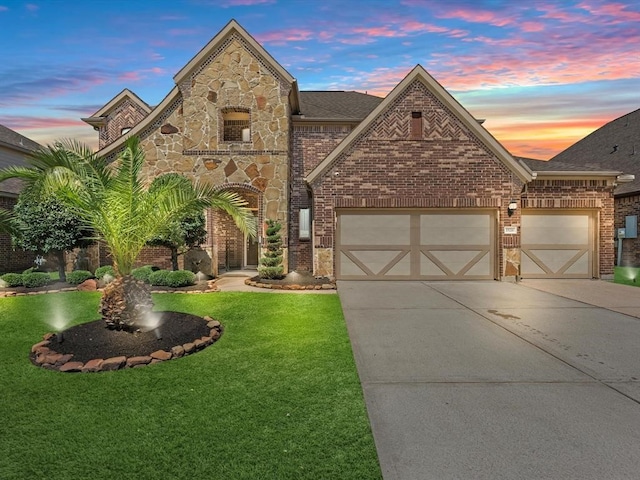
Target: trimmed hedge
point(142, 273)
point(78, 276)
point(12, 279)
point(35, 279)
point(174, 279)
point(181, 278)
point(160, 278)
point(102, 271)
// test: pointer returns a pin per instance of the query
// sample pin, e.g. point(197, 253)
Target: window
point(305, 224)
point(236, 125)
point(125, 130)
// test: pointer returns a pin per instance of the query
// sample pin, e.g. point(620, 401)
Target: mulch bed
point(293, 281)
point(94, 340)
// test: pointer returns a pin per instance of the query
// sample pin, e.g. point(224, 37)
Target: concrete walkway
point(490, 380)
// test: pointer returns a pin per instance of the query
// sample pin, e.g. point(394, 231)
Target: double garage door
point(425, 245)
point(459, 245)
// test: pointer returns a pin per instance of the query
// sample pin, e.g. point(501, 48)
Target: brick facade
point(628, 205)
point(388, 167)
point(311, 144)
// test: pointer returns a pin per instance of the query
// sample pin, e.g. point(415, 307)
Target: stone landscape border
point(42, 355)
point(286, 286)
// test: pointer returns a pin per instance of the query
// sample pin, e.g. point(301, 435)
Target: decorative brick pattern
point(126, 115)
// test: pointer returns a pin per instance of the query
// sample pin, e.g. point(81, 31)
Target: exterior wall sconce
point(513, 206)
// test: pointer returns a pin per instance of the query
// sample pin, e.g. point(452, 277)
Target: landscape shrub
point(181, 278)
point(102, 271)
point(159, 278)
point(78, 276)
point(35, 279)
point(142, 273)
point(12, 279)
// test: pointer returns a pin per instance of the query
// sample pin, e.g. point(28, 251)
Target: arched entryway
point(232, 249)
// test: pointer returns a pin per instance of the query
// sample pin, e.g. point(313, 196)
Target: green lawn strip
point(627, 276)
point(277, 396)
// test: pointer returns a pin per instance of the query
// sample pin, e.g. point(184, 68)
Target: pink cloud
point(16, 122)
point(472, 15)
point(532, 26)
point(3, 8)
point(139, 75)
point(617, 10)
point(281, 37)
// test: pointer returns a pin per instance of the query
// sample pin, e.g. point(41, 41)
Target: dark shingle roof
point(536, 165)
point(614, 146)
point(337, 105)
point(13, 139)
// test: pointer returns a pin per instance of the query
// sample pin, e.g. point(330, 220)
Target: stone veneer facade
point(188, 137)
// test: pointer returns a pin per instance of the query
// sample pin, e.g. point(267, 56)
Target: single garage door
point(558, 244)
point(415, 245)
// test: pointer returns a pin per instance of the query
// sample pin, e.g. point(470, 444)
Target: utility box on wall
point(631, 226)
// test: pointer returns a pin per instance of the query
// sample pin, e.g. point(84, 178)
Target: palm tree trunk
point(126, 304)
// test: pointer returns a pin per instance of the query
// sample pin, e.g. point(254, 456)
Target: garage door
point(408, 245)
point(557, 244)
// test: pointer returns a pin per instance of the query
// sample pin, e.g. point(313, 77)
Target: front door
point(251, 251)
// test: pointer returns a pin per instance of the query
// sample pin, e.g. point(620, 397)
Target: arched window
point(125, 130)
point(236, 125)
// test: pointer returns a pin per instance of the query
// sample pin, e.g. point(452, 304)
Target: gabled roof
point(614, 146)
point(336, 106)
point(97, 119)
point(12, 139)
point(231, 28)
point(196, 62)
point(23, 146)
point(420, 74)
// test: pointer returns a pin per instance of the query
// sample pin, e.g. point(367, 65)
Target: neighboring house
point(406, 187)
point(614, 146)
point(14, 148)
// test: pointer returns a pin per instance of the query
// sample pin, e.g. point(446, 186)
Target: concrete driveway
point(491, 380)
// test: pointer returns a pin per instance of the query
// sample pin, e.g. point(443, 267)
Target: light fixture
point(513, 206)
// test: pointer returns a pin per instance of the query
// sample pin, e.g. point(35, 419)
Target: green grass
point(277, 397)
point(627, 276)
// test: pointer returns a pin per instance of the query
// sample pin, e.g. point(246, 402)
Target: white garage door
point(557, 244)
point(409, 245)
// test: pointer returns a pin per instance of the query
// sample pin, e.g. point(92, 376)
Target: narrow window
point(237, 125)
point(305, 224)
point(125, 130)
point(416, 125)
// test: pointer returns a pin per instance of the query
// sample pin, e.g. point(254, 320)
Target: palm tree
point(6, 221)
point(123, 212)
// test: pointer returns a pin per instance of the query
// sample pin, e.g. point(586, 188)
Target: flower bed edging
point(44, 356)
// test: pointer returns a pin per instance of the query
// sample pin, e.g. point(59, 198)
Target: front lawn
point(277, 397)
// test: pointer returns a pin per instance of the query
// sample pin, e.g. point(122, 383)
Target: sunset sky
point(543, 73)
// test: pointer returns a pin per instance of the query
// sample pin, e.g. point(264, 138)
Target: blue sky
point(543, 73)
